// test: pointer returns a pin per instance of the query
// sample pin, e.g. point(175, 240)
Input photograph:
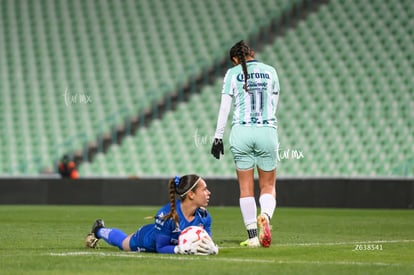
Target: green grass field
point(49, 240)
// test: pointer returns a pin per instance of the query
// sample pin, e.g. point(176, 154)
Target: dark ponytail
point(240, 50)
point(173, 211)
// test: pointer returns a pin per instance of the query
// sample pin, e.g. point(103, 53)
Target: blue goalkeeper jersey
point(162, 235)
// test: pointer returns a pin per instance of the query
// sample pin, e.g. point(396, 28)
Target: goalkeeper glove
point(209, 246)
point(217, 148)
point(201, 247)
point(191, 248)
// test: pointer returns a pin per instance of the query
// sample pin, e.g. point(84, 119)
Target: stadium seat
point(345, 70)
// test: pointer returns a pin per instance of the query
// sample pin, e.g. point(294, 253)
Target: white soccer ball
point(192, 234)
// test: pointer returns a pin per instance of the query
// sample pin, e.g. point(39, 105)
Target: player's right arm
point(225, 107)
point(164, 239)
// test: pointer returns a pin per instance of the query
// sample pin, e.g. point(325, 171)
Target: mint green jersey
point(258, 105)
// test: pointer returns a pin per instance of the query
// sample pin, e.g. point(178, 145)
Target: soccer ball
point(192, 234)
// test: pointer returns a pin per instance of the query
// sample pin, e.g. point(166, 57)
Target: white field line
point(329, 244)
point(215, 258)
point(158, 256)
point(243, 260)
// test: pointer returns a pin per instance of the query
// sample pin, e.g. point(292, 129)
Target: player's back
point(257, 105)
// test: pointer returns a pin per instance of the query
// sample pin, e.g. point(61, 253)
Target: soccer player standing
point(254, 87)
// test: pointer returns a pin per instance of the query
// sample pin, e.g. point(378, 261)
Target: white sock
point(249, 211)
point(267, 204)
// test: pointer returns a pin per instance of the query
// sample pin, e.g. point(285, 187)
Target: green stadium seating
point(345, 71)
point(124, 55)
point(345, 100)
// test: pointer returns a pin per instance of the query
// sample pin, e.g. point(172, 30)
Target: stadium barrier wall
point(291, 192)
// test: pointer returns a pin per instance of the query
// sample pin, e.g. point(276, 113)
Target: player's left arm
point(212, 247)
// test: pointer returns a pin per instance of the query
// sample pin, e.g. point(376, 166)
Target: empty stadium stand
point(75, 73)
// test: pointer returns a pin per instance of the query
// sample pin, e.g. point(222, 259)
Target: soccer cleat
point(91, 240)
point(253, 242)
point(265, 236)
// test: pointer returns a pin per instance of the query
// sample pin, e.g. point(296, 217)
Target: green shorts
point(254, 145)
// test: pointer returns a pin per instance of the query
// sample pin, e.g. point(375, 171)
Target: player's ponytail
point(240, 50)
point(242, 58)
point(180, 186)
point(173, 211)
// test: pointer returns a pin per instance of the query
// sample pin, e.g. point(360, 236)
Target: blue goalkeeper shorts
point(254, 146)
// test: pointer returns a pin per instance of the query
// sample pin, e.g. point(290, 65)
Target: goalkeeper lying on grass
point(162, 236)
